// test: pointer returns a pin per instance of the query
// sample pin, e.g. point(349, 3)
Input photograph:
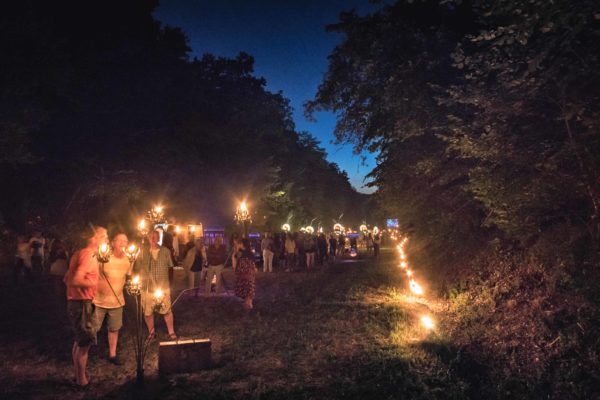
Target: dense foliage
point(486, 115)
point(103, 113)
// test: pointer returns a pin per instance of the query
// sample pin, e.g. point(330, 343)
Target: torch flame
point(158, 294)
point(158, 209)
point(427, 322)
point(142, 224)
point(403, 264)
point(243, 207)
point(416, 288)
point(135, 280)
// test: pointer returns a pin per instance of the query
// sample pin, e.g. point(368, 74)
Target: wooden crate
point(182, 356)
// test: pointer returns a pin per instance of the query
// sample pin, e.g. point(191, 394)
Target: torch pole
point(139, 345)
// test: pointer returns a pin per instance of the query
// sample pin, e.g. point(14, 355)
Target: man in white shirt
point(267, 249)
point(109, 300)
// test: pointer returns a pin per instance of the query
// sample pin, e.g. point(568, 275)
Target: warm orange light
point(158, 209)
point(403, 264)
point(142, 224)
point(427, 322)
point(409, 273)
point(177, 229)
point(243, 207)
point(159, 294)
point(135, 280)
point(192, 228)
point(416, 288)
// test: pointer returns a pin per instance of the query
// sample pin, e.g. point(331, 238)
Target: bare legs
point(168, 321)
point(80, 358)
point(113, 338)
point(248, 303)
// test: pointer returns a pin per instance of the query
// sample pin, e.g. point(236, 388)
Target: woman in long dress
point(245, 274)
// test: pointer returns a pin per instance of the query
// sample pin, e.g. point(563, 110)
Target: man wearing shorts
point(153, 266)
point(82, 281)
point(109, 300)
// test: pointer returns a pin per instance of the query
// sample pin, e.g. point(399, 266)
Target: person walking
point(37, 244)
point(109, 300)
point(341, 244)
point(332, 248)
point(376, 245)
point(22, 260)
point(153, 265)
point(310, 248)
point(194, 263)
point(245, 274)
point(82, 282)
point(267, 246)
point(290, 253)
point(58, 267)
point(216, 256)
point(321, 248)
point(369, 243)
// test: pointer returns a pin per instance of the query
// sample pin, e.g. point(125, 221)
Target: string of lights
point(426, 320)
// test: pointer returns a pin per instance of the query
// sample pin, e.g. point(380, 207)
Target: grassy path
point(346, 332)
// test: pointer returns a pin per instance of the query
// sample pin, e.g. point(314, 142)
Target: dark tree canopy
point(103, 112)
point(486, 114)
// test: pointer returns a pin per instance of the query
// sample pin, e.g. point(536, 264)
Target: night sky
point(290, 47)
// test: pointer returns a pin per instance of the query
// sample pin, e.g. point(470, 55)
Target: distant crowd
point(94, 290)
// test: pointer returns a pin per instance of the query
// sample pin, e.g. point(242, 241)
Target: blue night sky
point(288, 41)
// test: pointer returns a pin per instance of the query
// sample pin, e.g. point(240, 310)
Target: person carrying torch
point(153, 266)
point(109, 300)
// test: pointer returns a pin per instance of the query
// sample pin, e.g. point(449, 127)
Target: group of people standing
point(304, 251)
point(95, 291)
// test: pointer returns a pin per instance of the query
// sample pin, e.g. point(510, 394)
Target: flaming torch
point(416, 288)
point(242, 215)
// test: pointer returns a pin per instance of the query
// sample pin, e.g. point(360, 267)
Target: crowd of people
point(95, 291)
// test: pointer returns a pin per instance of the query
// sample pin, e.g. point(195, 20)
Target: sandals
point(173, 336)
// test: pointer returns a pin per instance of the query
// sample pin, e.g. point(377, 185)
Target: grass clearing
point(350, 331)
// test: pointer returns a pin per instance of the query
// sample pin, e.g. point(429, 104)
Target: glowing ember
point(427, 322)
point(416, 288)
